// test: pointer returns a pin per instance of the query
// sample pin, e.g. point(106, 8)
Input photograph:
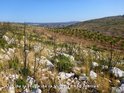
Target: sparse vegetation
point(44, 58)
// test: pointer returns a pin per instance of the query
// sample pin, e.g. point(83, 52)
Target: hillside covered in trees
point(109, 25)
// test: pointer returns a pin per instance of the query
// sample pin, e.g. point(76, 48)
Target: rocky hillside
point(35, 60)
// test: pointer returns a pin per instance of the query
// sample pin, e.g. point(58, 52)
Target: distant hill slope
point(109, 25)
point(53, 25)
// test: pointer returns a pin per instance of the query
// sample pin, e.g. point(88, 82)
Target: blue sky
point(58, 10)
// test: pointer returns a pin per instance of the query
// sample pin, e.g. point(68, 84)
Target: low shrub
point(63, 63)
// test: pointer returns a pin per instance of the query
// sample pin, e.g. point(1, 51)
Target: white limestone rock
point(93, 75)
point(11, 52)
point(94, 64)
point(6, 57)
point(37, 48)
point(38, 90)
point(83, 77)
point(30, 81)
point(43, 60)
point(64, 75)
point(117, 72)
point(63, 88)
point(11, 89)
point(120, 89)
point(11, 41)
point(6, 38)
point(26, 90)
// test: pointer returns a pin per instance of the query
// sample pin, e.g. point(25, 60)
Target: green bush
point(63, 63)
point(25, 71)
point(21, 83)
